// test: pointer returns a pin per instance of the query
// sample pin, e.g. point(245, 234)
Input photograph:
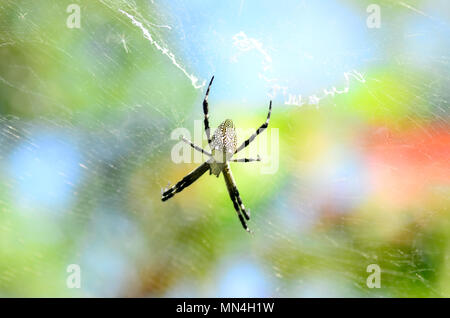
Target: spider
point(223, 147)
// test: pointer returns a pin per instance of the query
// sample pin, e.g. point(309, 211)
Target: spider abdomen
point(223, 144)
point(224, 138)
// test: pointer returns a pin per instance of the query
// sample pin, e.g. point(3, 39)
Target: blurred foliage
point(363, 177)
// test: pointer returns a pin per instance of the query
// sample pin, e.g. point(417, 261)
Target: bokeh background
point(86, 116)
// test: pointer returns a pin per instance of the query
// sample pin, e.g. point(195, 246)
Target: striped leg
point(203, 151)
point(246, 159)
point(206, 111)
point(185, 182)
point(258, 131)
point(235, 197)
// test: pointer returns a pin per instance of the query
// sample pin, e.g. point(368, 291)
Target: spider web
point(86, 116)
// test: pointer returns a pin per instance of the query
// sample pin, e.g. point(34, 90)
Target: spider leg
point(258, 131)
point(205, 112)
point(203, 151)
point(186, 181)
point(235, 198)
point(246, 159)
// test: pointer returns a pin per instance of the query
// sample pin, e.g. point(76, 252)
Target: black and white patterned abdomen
point(223, 144)
point(224, 138)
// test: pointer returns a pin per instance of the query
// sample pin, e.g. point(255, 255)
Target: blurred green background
point(86, 116)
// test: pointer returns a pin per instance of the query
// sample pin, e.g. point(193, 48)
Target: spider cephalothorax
point(223, 146)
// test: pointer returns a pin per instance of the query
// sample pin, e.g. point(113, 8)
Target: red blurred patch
point(404, 167)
